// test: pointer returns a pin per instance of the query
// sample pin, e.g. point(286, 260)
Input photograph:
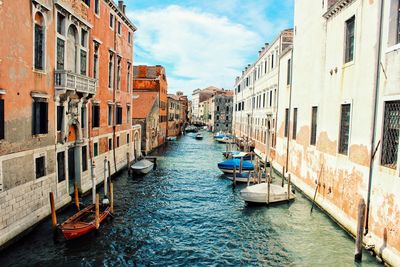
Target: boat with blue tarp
point(227, 166)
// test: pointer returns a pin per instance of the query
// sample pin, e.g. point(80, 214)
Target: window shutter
point(44, 129)
point(1, 119)
point(35, 118)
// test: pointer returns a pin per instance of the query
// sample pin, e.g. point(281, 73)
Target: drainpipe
point(289, 112)
point(375, 101)
point(114, 88)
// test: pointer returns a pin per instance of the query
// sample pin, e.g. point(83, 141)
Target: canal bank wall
point(389, 255)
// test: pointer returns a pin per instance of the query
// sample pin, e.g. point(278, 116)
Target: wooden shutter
point(35, 118)
point(44, 128)
point(1, 119)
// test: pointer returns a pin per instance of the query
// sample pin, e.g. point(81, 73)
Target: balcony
point(68, 81)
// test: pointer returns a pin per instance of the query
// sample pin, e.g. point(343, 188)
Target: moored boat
point(142, 167)
point(259, 194)
point(171, 138)
point(228, 166)
point(199, 136)
point(83, 221)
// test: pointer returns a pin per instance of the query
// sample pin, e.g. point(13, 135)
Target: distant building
point(153, 79)
point(146, 114)
point(221, 112)
point(199, 96)
point(174, 116)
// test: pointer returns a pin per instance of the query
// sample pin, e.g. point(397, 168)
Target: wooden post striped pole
point(53, 211)
point(97, 212)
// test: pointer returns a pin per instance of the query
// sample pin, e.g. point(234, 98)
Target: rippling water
point(185, 213)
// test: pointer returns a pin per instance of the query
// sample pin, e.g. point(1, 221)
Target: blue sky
point(204, 42)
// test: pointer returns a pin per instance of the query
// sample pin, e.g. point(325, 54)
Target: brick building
point(147, 117)
point(174, 116)
point(69, 77)
point(153, 79)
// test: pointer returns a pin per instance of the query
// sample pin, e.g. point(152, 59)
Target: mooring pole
point(53, 211)
point(105, 176)
point(76, 196)
point(269, 189)
point(234, 174)
point(97, 212)
point(111, 197)
point(283, 176)
point(129, 163)
point(288, 187)
point(241, 165)
point(360, 229)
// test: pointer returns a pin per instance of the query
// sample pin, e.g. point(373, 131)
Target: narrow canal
point(185, 213)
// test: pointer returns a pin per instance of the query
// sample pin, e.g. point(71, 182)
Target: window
point(95, 116)
point(61, 166)
point(40, 166)
point(110, 70)
point(119, 115)
point(270, 98)
point(128, 78)
point(97, 7)
point(349, 46)
point(390, 140)
point(117, 141)
point(83, 62)
point(83, 117)
point(272, 61)
point(127, 138)
point(39, 42)
point(111, 21)
point(119, 27)
point(83, 38)
point(286, 122)
point(119, 73)
point(313, 139)
point(129, 37)
point(227, 118)
point(128, 114)
point(60, 113)
point(263, 100)
point(40, 117)
point(2, 119)
point(95, 149)
point(87, 2)
point(60, 53)
point(96, 60)
point(344, 129)
point(60, 23)
point(217, 117)
point(109, 115)
point(84, 159)
point(217, 108)
point(109, 144)
point(294, 134)
point(289, 73)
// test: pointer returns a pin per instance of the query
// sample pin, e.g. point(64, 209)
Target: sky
point(204, 42)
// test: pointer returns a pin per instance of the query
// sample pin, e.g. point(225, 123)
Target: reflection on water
point(185, 213)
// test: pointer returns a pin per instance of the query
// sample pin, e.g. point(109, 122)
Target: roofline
point(121, 14)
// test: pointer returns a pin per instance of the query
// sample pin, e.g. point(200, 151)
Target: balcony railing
point(67, 80)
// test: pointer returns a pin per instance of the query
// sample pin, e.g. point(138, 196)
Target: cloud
point(199, 48)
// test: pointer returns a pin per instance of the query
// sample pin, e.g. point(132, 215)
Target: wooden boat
point(238, 154)
point(83, 221)
point(259, 194)
point(143, 166)
point(226, 140)
point(227, 166)
point(199, 136)
point(243, 177)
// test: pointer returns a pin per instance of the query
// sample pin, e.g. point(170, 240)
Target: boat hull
point(142, 167)
point(71, 232)
point(143, 170)
point(259, 194)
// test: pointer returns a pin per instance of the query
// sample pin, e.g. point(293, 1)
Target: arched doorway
point(72, 42)
point(137, 151)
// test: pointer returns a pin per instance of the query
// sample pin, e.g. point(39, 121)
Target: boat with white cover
point(244, 177)
point(259, 193)
point(143, 166)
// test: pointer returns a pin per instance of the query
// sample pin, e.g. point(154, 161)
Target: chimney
point(123, 9)
point(121, 5)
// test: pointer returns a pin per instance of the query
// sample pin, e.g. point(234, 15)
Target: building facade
point(175, 120)
point(146, 114)
point(337, 123)
point(70, 79)
point(221, 112)
point(256, 96)
point(154, 79)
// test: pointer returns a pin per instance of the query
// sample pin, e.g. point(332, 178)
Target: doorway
point(71, 169)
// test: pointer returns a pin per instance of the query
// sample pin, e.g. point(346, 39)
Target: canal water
point(184, 214)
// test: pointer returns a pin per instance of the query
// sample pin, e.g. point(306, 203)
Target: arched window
point(39, 41)
point(72, 43)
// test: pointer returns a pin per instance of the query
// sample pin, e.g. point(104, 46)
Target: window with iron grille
point(83, 62)
point(390, 139)
point(349, 46)
point(2, 119)
point(39, 47)
point(40, 117)
point(294, 134)
point(344, 129)
point(84, 158)
point(286, 122)
point(313, 139)
point(95, 116)
point(60, 113)
point(60, 53)
point(61, 166)
point(119, 115)
point(40, 164)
